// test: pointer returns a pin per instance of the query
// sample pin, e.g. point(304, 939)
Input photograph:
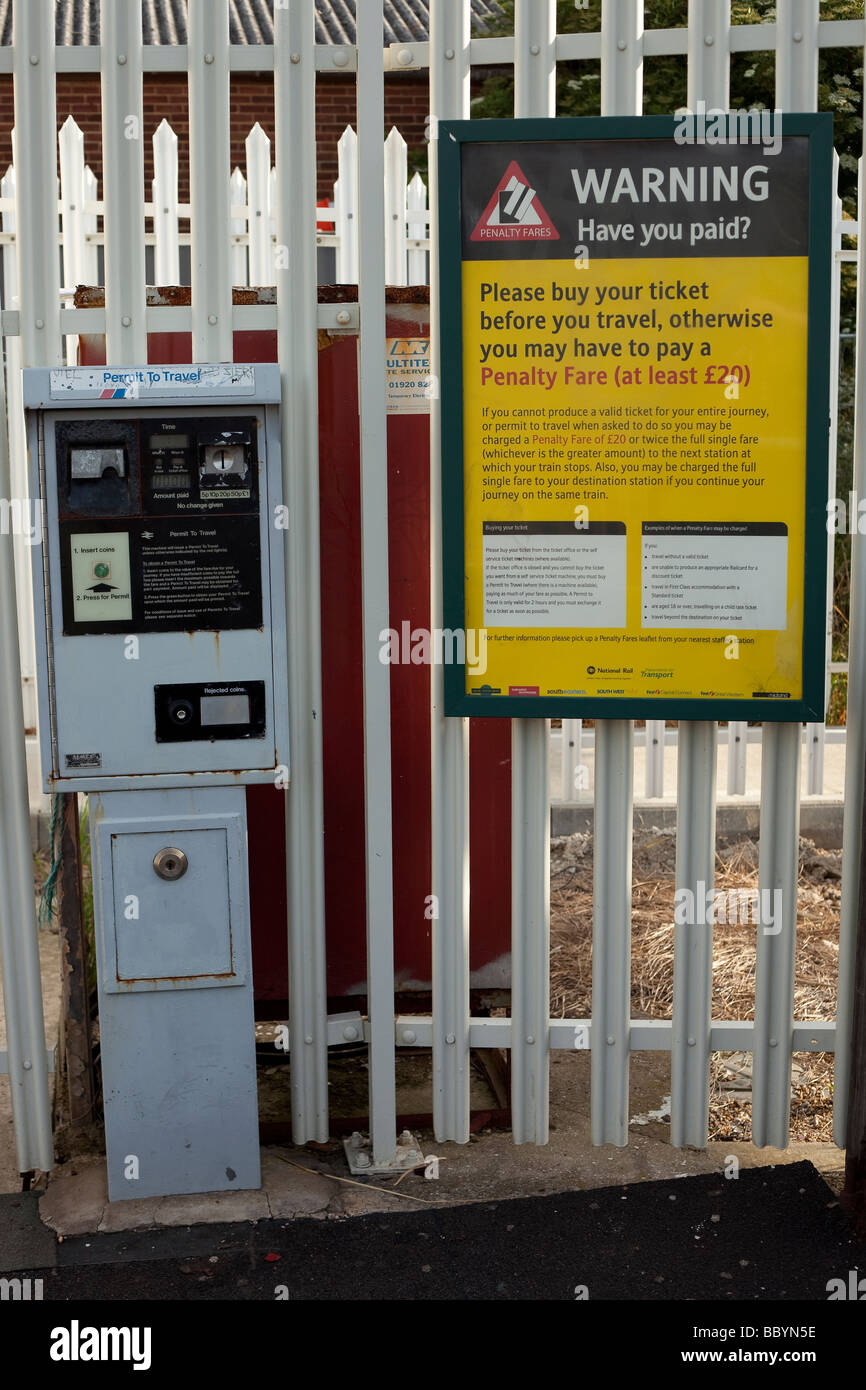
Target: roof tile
point(250, 21)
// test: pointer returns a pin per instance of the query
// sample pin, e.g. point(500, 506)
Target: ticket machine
point(161, 647)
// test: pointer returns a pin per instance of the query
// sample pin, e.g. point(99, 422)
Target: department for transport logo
point(515, 212)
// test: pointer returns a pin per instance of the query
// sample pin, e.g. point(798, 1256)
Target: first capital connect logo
point(514, 212)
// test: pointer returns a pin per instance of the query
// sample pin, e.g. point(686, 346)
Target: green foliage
point(753, 75)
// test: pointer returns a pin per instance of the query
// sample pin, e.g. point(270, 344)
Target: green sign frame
point(453, 137)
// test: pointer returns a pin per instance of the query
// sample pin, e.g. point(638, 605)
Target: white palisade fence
point(53, 215)
point(253, 224)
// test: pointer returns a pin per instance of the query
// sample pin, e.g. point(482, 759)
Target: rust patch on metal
point(394, 294)
point(77, 1058)
point(338, 294)
point(89, 297)
point(128, 984)
point(180, 296)
point(407, 294)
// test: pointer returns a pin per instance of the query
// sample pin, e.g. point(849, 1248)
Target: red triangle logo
point(514, 213)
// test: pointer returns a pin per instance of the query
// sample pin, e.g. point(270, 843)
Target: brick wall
point(165, 97)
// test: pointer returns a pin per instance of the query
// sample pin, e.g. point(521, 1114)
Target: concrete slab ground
point(314, 1181)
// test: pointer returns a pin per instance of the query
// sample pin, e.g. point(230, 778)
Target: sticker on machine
point(77, 761)
point(101, 585)
point(407, 375)
point(136, 383)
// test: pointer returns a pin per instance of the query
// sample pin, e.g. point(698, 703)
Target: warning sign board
point(635, 417)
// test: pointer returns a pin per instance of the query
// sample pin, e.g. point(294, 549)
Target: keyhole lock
point(170, 864)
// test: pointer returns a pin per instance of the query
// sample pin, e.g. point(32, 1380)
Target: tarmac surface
point(770, 1235)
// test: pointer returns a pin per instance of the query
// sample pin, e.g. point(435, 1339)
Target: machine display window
point(170, 467)
point(225, 709)
point(179, 478)
point(169, 441)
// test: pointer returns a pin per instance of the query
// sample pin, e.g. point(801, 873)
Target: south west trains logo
point(514, 213)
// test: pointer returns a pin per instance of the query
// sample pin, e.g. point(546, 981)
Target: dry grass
point(733, 958)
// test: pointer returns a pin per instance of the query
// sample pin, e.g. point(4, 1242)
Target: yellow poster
point(634, 421)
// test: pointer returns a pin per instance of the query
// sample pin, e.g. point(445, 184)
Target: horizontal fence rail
point(657, 747)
